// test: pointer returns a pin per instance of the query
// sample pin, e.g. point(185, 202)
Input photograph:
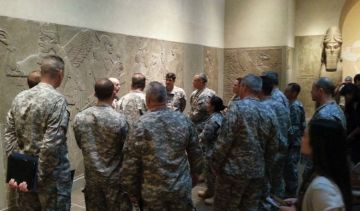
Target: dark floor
point(78, 201)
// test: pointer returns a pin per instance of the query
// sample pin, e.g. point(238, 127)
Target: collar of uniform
point(159, 109)
point(172, 92)
point(251, 98)
point(325, 104)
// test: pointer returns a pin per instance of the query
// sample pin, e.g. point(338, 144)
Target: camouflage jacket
point(198, 101)
point(278, 96)
point(283, 118)
point(330, 110)
point(36, 125)
point(211, 131)
point(176, 99)
point(132, 105)
point(100, 133)
point(298, 122)
point(248, 142)
point(159, 155)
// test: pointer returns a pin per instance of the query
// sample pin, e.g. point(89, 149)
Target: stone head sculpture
point(332, 48)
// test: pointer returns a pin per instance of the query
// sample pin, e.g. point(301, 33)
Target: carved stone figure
point(331, 62)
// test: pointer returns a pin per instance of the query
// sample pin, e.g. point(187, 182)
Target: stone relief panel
point(307, 65)
point(211, 65)
point(89, 55)
point(242, 61)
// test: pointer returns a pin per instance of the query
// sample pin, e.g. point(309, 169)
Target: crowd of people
point(142, 151)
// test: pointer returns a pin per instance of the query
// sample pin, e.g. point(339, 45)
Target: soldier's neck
point(156, 106)
point(107, 102)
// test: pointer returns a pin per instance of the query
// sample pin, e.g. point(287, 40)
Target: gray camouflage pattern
point(159, 157)
point(278, 96)
point(36, 125)
point(198, 102)
point(176, 99)
point(132, 105)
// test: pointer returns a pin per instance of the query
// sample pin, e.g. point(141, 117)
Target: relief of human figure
point(331, 61)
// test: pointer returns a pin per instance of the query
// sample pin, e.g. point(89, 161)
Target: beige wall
point(259, 23)
point(186, 21)
point(314, 17)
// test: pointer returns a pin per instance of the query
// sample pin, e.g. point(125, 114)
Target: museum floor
point(78, 201)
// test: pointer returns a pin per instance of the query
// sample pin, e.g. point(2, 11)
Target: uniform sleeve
point(11, 142)
point(132, 168)
point(54, 138)
point(225, 140)
point(271, 148)
point(200, 109)
point(77, 132)
point(194, 151)
point(297, 121)
point(182, 101)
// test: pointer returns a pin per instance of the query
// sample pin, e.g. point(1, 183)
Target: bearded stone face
point(332, 54)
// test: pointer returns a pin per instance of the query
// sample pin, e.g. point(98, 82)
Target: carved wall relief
point(242, 61)
point(211, 65)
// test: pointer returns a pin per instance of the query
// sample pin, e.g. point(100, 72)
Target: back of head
point(267, 85)
point(252, 82)
point(357, 78)
point(203, 77)
point(52, 65)
point(104, 89)
point(326, 85)
point(138, 81)
point(171, 76)
point(329, 153)
point(274, 76)
point(294, 88)
point(156, 92)
point(348, 89)
point(34, 78)
point(217, 103)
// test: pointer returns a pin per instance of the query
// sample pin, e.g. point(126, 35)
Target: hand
point(285, 208)
point(23, 187)
point(13, 184)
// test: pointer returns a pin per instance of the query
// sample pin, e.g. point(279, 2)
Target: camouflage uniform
point(159, 158)
point(298, 124)
point(198, 101)
point(331, 111)
point(132, 105)
point(278, 96)
point(207, 138)
point(176, 99)
point(36, 125)
point(100, 133)
point(283, 118)
point(243, 155)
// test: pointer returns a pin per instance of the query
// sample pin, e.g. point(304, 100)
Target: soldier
point(298, 124)
point(198, 101)
point(322, 93)
point(116, 83)
point(34, 78)
point(36, 125)
point(244, 151)
point(133, 103)
point(276, 93)
point(207, 138)
point(100, 133)
point(161, 155)
point(235, 90)
point(283, 118)
point(176, 97)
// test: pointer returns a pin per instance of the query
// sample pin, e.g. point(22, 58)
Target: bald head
point(104, 89)
point(34, 78)
point(326, 85)
point(116, 83)
point(138, 81)
point(156, 93)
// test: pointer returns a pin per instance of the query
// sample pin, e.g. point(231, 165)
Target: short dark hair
point(203, 77)
point(156, 91)
point(34, 78)
point(274, 76)
point(357, 77)
point(138, 81)
point(326, 84)
point(267, 85)
point(253, 82)
point(104, 89)
point(348, 89)
point(217, 102)
point(170, 76)
point(294, 88)
point(52, 65)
